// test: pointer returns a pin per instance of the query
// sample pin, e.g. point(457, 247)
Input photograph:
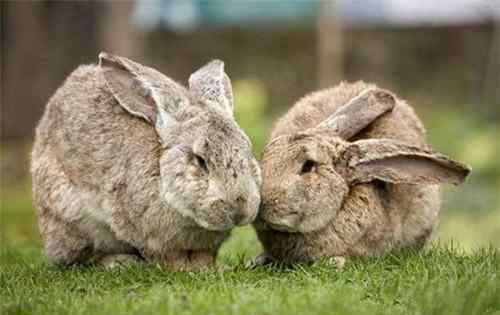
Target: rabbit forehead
point(219, 140)
point(287, 151)
point(282, 158)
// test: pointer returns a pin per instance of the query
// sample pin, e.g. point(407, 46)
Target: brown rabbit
point(129, 165)
point(348, 173)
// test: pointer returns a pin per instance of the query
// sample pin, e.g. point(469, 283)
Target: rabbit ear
point(142, 91)
point(211, 84)
point(128, 87)
point(359, 112)
point(395, 162)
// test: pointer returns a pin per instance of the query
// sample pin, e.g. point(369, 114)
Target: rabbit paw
point(190, 260)
point(337, 261)
point(263, 259)
point(113, 261)
point(200, 260)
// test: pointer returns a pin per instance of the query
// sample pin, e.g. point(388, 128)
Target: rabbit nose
point(240, 202)
point(219, 203)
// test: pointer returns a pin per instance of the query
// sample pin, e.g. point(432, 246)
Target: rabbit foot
point(190, 260)
point(337, 261)
point(263, 259)
point(113, 261)
point(201, 259)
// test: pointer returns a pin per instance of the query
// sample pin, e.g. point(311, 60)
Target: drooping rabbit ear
point(211, 84)
point(123, 78)
point(359, 112)
point(395, 162)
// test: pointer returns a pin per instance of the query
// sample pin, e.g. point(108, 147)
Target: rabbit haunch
point(128, 162)
point(348, 173)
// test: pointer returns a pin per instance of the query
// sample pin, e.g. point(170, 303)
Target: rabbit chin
point(312, 223)
point(293, 223)
point(208, 219)
point(219, 224)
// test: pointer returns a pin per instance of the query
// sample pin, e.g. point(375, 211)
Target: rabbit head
point(207, 170)
point(308, 175)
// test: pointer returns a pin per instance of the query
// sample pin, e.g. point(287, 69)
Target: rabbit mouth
point(225, 224)
point(283, 228)
point(287, 223)
point(214, 227)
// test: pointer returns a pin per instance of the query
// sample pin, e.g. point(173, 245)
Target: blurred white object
point(418, 12)
point(188, 14)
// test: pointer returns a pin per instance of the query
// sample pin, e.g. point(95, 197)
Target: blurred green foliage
point(251, 101)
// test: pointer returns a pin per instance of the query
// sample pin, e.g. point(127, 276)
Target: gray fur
point(349, 173)
point(128, 162)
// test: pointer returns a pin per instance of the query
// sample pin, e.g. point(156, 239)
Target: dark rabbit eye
point(201, 162)
point(309, 167)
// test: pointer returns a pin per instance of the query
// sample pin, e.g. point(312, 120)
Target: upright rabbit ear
point(359, 112)
point(211, 84)
point(395, 162)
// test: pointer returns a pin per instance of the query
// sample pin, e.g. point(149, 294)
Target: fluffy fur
point(329, 197)
point(129, 165)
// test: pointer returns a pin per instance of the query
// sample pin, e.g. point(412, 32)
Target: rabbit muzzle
point(224, 214)
point(244, 211)
point(275, 216)
point(287, 223)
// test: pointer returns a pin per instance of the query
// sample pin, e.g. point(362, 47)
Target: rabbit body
point(373, 216)
point(98, 174)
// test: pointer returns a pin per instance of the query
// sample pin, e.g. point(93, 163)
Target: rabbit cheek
point(323, 197)
point(181, 187)
point(212, 212)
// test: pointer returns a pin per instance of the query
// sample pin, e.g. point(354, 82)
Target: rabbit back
point(93, 136)
point(401, 123)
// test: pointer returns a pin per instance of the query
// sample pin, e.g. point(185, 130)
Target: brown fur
point(356, 199)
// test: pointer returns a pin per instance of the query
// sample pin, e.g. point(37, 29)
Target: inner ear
point(410, 170)
point(129, 89)
point(395, 162)
point(212, 85)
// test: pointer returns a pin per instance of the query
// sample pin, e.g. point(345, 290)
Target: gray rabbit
point(129, 165)
point(348, 173)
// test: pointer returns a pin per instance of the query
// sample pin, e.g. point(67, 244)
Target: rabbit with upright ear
point(348, 173)
point(129, 165)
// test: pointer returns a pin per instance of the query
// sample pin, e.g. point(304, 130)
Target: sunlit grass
point(462, 278)
point(438, 281)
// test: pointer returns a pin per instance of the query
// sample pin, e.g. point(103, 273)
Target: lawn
point(451, 277)
point(444, 279)
point(438, 281)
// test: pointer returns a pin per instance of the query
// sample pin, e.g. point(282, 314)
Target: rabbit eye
point(309, 167)
point(201, 162)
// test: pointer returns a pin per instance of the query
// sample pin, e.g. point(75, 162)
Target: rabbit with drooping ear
point(348, 173)
point(129, 165)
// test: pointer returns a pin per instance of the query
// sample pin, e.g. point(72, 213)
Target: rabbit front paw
point(337, 261)
point(190, 260)
point(113, 261)
point(263, 259)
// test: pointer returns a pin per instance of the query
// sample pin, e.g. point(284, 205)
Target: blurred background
point(442, 56)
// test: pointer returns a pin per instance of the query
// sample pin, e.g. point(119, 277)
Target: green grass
point(459, 279)
point(438, 281)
